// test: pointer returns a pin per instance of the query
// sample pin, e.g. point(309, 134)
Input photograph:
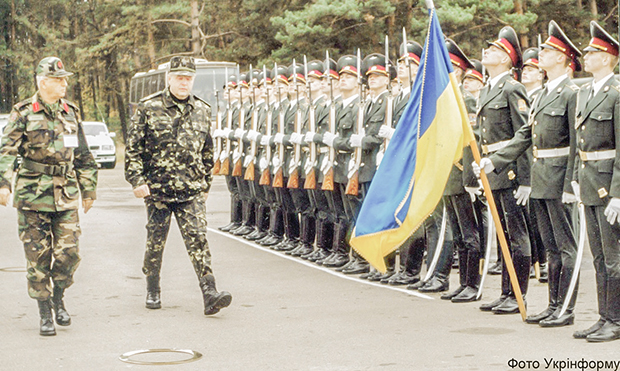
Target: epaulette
point(615, 86)
point(585, 86)
point(572, 86)
point(23, 105)
point(148, 97)
point(202, 100)
point(513, 81)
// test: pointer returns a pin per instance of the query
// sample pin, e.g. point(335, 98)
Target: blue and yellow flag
point(428, 140)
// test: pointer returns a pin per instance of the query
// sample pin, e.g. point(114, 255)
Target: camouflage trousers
point(191, 218)
point(51, 245)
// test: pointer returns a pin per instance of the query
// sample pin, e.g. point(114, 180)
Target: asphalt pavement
point(286, 314)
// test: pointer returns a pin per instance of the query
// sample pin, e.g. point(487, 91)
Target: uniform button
point(581, 140)
point(583, 127)
point(534, 148)
point(535, 122)
point(484, 130)
point(484, 140)
point(553, 112)
point(484, 118)
point(583, 166)
point(535, 159)
point(534, 135)
point(599, 117)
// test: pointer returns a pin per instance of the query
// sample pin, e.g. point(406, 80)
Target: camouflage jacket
point(169, 147)
point(51, 175)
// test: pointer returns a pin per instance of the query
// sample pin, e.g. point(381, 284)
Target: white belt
point(553, 152)
point(323, 149)
point(598, 155)
point(490, 148)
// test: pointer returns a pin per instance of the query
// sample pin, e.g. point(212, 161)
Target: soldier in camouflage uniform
point(46, 131)
point(168, 161)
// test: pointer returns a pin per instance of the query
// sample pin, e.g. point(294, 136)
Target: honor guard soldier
point(551, 134)
point(168, 162)
point(532, 76)
point(231, 118)
point(597, 179)
point(460, 208)
point(346, 118)
point(57, 167)
point(278, 108)
point(502, 111)
point(474, 78)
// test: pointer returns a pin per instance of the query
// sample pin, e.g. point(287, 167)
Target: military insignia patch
point(522, 105)
point(472, 118)
point(511, 175)
point(602, 193)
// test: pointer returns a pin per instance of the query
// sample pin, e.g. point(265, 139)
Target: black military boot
point(276, 228)
point(340, 247)
point(213, 300)
point(262, 223)
point(235, 214)
point(522, 269)
point(555, 266)
point(153, 300)
point(249, 216)
point(62, 317)
point(47, 322)
point(308, 235)
point(611, 328)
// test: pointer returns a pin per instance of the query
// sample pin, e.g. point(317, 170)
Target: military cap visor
point(52, 67)
point(530, 57)
point(558, 40)
point(601, 41)
point(508, 42)
point(457, 57)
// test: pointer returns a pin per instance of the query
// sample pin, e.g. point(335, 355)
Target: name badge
point(70, 140)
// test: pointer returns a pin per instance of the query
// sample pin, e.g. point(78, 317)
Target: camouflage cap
point(182, 66)
point(52, 67)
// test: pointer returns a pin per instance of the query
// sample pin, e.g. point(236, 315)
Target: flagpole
point(500, 231)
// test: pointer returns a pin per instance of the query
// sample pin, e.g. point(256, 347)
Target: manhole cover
point(139, 357)
point(13, 269)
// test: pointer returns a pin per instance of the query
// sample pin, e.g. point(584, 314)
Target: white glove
point(296, 138)
point(264, 140)
point(568, 198)
point(576, 190)
point(522, 194)
point(386, 132)
point(309, 137)
point(328, 138)
point(356, 140)
point(252, 135)
point(473, 192)
point(226, 132)
point(278, 138)
point(238, 133)
point(485, 164)
point(217, 133)
point(613, 210)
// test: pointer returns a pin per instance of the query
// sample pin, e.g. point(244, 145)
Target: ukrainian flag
point(428, 140)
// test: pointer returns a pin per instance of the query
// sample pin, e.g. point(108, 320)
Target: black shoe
point(46, 325)
point(242, 231)
point(351, 262)
point(403, 278)
point(370, 273)
point(270, 240)
point(357, 268)
point(583, 334)
point(304, 249)
point(509, 306)
point(385, 277)
point(329, 257)
point(213, 300)
point(495, 269)
point(489, 306)
point(451, 294)
point(416, 285)
point(610, 331)
point(338, 261)
point(375, 277)
point(540, 316)
point(230, 226)
point(153, 300)
point(554, 321)
point(62, 316)
point(285, 245)
point(468, 295)
point(256, 236)
point(436, 284)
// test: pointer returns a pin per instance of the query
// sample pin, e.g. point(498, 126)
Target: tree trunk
point(593, 9)
point(525, 43)
point(196, 42)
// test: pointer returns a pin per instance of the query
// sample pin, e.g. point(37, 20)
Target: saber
point(580, 247)
point(439, 248)
point(490, 245)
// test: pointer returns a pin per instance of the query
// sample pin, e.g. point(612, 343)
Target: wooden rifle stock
point(265, 177)
point(225, 169)
point(328, 180)
point(310, 182)
point(278, 179)
point(237, 170)
point(217, 167)
point(293, 179)
point(353, 184)
point(249, 172)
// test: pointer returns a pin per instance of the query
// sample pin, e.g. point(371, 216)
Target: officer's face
point(180, 85)
point(531, 75)
point(378, 82)
point(494, 56)
point(348, 82)
point(594, 61)
point(315, 85)
point(549, 58)
point(54, 87)
point(472, 85)
point(402, 72)
point(234, 94)
point(395, 87)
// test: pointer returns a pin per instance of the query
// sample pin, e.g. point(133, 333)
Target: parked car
point(100, 143)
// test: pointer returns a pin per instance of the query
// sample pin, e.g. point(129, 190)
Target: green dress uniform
point(57, 166)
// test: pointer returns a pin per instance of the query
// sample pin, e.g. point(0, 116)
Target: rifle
point(249, 169)
point(278, 178)
point(265, 178)
point(239, 161)
point(389, 99)
point(310, 182)
point(407, 61)
point(218, 125)
point(328, 178)
point(293, 174)
point(225, 167)
point(354, 174)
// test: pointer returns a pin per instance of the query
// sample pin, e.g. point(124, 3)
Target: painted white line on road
point(314, 266)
